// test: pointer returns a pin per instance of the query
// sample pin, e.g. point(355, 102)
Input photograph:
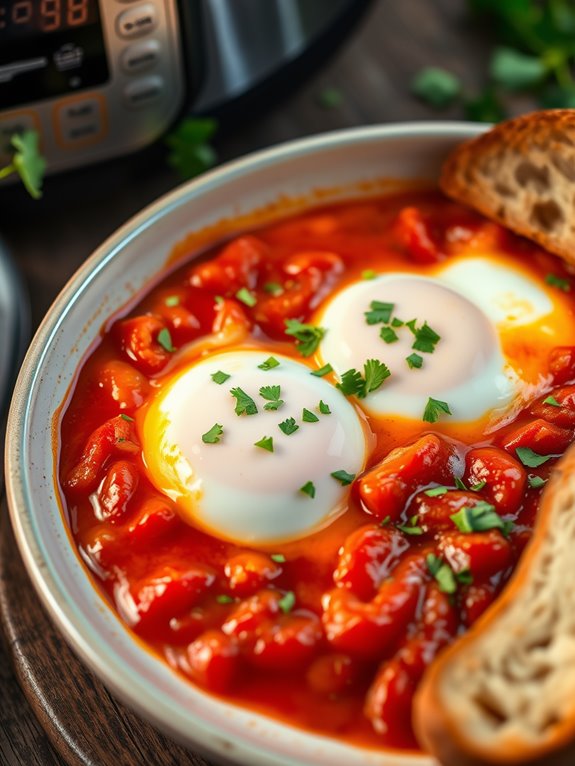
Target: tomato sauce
point(332, 632)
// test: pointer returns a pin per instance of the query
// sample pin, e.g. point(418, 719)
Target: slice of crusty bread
point(505, 692)
point(522, 174)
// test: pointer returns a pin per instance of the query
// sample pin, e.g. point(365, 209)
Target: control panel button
point(136, 22)
point(79, 121)
point(140, 56)
point(144, 91)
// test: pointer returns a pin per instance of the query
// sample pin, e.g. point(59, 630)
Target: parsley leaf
point(433, 410)
point(325, 370)
point(353, 384)
point(414, 361)
point(127, 418)
point(224, 599)
point(368, 274)
point(379, 312)
point(220, 377)
point(172, 300)
point(213, 435)
point(279, 558)
point(515, 70)
point(266, 443)
point(558, 282)
point(165, 340)
point(552, 401)
point(435, 491)
point(190, 151)
point(343, 477)
point(307, 336)
point(244, 402)
point(388, 335)
point(443, 573)
point(273, 288)
point(27, 162)
point(324, 408)
point(272, 395)
point(308, 489)
point(309, 417)
point(480, 518)
point(287, 602)
point(459, 483)
point(530, 458)
point(246, 297)
point(289, 426)
point(425, 337)
point(436, 86)
point(412, 527)
point(536, 481)
point(269, 363)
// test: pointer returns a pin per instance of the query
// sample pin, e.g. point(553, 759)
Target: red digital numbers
point(77, 12)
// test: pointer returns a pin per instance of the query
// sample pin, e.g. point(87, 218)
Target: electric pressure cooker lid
point(14, 325)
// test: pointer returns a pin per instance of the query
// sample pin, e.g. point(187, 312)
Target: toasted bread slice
point(505, 692)
point(522, 174)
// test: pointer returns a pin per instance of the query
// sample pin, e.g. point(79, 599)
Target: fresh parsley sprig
point(27, 162)
point(353, 383)
point(308, 336)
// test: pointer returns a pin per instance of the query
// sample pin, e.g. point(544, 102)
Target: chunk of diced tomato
point(504, 476)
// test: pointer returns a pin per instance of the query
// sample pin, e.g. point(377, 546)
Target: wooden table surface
point(68, 718)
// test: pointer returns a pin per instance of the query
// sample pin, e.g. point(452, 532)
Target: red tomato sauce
point(333, 632)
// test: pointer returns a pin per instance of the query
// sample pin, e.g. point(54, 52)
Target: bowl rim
point(107, 667)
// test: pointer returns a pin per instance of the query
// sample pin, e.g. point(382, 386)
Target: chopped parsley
point(309, 417)
point(308, 489)
point(395, 322)
point(379, 312)
point(433, 410)
point(435, 491)
point(172, 300)
point(459, 483)
point(530, 458)
point(127, 418)
point(411, 528)
point(368, 274)
point(245, 405)
point(324, 408)
point(307, 336)
point(220, 377)
point(443, 573)
point(219, 299)
point(343, 477)
point(165, 340)
point(325, 370)
point(552, 401)
point(223, 599)
point(266, 443)
point(213, 435)
point(558, 282)
point(272, 395)
point(536, 481)
point(477, 487)
point(273, 288)
point(414, 361)
point(289, 426)
point(279, 558)
point(269, 363)
point(388, 335)
point(246, 297)
point(354, 384)
point(480, 518)
point(287, 602)
point(425, 337)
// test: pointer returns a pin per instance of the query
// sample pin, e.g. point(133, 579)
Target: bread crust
point(522, 174)
point(448, 728)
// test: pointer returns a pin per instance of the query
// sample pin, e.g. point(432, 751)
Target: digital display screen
point(49, 48)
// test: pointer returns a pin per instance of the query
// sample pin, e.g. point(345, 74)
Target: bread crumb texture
point(522, 174)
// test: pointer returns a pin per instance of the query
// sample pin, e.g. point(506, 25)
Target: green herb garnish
point(368, 274)
point(307, 336)
point(287, 602)
point(552, 401)
point(269, 363)
point(289, 426)
point(190, 151)
point(244, 403)
point(127, 418)
point(279, 558)
point(308, 489)
point(536, 481)
point(433, 410)
point(443, 574)
point(414, 361)
point(330, 98)
point(354, 384)
point(388, 335)
point(425, 337)
point(436, 86)
point(411, 528)
point(379, 312)
point(246, 297)
point(213, 435)
point(223, 599)
point(27, 162)
point(435, 491)
point(165, 340)
point(272, 395)
point(325, 370)
point(220, 377)
point(530, 458)
point(480, 518)
point(324, 408)
point(558, 282)
point(309, 417)
point(273, 288)
point(172, 300)
point(343, 477)
point(266, 443)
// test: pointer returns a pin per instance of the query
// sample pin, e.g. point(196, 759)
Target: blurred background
point(130, 98)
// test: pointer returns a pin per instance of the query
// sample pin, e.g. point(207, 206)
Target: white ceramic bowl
point(129, 259)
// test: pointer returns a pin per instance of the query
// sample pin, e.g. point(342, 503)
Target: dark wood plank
point(66, 715)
